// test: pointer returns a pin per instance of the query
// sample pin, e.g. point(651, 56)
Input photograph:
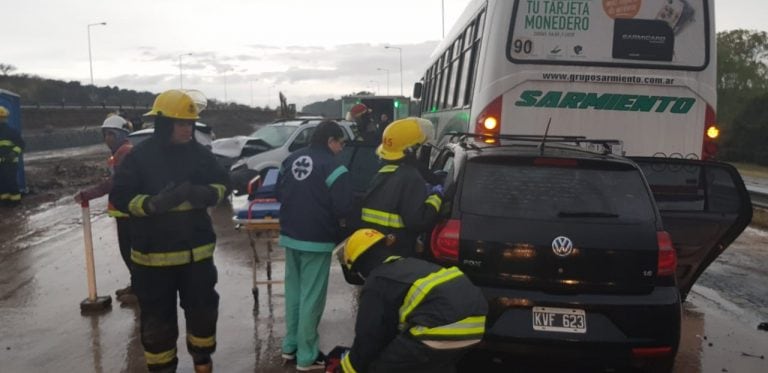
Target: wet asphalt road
point(43, 282)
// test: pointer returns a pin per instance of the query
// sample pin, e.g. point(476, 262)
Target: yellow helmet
point(358, 243)
point(178, 104)
point(399, 136)
point(4, 113)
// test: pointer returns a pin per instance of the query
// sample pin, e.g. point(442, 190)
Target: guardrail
point(759, 197)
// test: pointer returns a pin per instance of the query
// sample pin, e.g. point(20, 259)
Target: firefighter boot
point(204, 368)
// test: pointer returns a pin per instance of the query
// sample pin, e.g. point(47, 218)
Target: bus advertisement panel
point(644, 33)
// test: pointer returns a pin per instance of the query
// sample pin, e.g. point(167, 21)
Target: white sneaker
point(319, 364)
point(288, 357)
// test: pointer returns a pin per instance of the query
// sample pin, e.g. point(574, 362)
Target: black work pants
point(405, 355)
point(124, 242)
point(9, 185)
point(156, 288)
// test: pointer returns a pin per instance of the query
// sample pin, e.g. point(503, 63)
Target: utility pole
point(181, 74)
point(401, 65)
point(90, 59)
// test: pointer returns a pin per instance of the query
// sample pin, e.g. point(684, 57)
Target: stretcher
point(258, 216)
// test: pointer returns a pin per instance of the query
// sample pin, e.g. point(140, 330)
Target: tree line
point(39, 91)
point(742, 91)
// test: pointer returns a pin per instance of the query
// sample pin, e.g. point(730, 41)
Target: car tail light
point(645, 352)
point(489, 121)
point(445, 241)
point(711, 133)
point(667, 255)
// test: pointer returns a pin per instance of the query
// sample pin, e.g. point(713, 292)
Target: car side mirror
point(417, 87)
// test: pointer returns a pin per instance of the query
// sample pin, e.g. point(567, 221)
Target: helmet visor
point(198, 98)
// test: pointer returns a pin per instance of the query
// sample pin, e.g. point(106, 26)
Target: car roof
point(301, 122)
point(202, 127)
point(475, 149)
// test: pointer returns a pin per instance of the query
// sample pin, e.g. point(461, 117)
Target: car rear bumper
point(616, 324)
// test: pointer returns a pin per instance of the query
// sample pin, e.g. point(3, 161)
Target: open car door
point(704, 207)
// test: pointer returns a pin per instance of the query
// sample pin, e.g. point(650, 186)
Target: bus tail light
point(489, 121)
point(667, 262)
point(711, 134)
point(445, 241)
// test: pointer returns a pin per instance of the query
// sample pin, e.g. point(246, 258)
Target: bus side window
point(466, 59)
point(475, 53)
point(448, 71)
point(425, 92)
point(456, 67)
point(440, 79)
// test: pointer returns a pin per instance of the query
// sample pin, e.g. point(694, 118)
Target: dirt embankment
point(53, 174)
point(55, 128)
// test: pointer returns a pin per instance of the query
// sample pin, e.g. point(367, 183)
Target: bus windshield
point(663, 34)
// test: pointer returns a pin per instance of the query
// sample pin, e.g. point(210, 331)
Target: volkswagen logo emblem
point(562, 246)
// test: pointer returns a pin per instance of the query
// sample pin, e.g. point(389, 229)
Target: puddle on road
point(714, 341)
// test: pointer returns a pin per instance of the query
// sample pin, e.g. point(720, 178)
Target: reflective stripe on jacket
point(418, 298)
point(185, 233)
point(11, 144)
point(397, 203)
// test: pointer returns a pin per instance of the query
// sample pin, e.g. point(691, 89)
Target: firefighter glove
point(167, 199)
point(438, 190)
point(198, 195)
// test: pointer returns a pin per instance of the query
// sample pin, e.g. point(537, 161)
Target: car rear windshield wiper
point(586, 214)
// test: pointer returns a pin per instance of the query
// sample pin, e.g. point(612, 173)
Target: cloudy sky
point(247, 50)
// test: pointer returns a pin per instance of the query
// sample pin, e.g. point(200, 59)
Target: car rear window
point(595, 190)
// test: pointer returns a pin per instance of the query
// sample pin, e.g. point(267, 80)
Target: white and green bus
point(641, 71)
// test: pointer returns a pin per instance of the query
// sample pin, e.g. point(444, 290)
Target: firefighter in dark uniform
point(11, 146)
point(399, 201)
point(413, 315)
point(166, 183)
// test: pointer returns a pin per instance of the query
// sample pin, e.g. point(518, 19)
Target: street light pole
point(269, 92)
point(401, 65)
point(442, 3)
point(225, 87)
point(181, 75)
point(90, 59)
point(377, 85)
point(387, 70)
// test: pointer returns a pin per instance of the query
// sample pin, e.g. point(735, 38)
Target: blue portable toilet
point(12, 102)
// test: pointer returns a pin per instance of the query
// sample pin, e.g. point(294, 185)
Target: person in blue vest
point(11, 146)
point(413, 315)
point(315, 197)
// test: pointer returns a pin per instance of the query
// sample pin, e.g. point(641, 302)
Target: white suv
point(267, 148)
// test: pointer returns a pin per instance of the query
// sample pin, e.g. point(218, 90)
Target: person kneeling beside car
point(414, 316)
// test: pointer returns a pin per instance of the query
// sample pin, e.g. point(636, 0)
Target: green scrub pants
point(306, 285)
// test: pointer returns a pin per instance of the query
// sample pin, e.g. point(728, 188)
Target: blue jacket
point(315, 195)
